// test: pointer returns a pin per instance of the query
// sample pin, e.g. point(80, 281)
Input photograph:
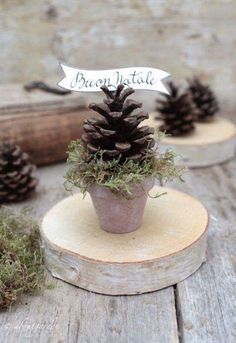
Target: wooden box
point(41, 123)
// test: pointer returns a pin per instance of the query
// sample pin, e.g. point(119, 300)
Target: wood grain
point(44, 136)
point(42, 124)
point(167, 248)
point(205, 302)
point(217, 131)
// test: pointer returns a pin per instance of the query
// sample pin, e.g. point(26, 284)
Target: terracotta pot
point(117, 214)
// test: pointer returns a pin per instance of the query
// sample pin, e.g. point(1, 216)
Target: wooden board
point(207, 314)
point(210, 143)
point(169, 246)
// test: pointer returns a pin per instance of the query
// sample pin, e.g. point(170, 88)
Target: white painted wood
point(169, 246)
point(210, 143)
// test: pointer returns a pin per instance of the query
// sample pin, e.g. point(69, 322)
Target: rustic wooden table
point(200, 309)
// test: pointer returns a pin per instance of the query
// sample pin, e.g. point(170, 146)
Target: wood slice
point(169, 246)
point(210, 143)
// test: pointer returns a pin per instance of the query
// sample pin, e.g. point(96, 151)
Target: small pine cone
point(16, 181)
point(117, 133)
point(176, 112)
point(204, 100)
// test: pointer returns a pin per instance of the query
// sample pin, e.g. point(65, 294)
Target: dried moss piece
point(86, 169)
point(21, 260)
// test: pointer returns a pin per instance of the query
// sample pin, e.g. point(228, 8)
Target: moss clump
point(86, 169)
point(21, 261)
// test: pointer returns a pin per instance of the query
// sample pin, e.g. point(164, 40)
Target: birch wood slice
point(169, 246)
point(210, 143)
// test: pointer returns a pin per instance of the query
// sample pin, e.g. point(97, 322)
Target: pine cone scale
point(107, 132)
point(123, 146)
point(102, 109)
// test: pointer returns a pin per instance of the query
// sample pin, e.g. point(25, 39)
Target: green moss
point(86, 169)
point(21, 261)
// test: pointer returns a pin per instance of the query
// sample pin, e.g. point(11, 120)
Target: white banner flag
point(81, 80)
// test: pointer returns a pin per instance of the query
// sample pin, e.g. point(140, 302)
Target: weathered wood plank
point(206, 301)
point(70, 314)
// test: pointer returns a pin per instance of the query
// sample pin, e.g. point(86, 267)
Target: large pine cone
point(176, 112)
point(118, 133)
point(16, 181)
point(204, 100)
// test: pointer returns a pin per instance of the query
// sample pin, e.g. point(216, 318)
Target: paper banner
point(81, 80)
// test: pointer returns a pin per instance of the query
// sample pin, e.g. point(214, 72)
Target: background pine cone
point(176, 112)
point(16, 181)
point(117, 132)
point(204, 100)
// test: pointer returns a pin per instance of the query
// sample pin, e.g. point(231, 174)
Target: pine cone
point(204, 100)
point(16, 182)
point(176, 112)
point(117, 133)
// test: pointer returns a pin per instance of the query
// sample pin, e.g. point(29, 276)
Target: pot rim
point(138, 189)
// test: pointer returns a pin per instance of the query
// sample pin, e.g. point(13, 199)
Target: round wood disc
point(168, 247)
point(209, 144)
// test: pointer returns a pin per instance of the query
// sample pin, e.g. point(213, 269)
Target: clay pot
point(117, 214)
